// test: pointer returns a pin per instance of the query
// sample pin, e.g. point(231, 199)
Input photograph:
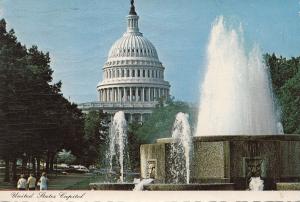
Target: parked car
point(77, 169)
point(62, 166)
point(82, 169)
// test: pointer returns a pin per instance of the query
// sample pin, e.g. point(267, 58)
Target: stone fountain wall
point(234, 159)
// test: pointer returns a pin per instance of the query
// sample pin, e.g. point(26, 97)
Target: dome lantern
point(132, 20)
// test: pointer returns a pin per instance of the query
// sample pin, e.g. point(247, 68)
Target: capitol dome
point(133, 45)
point(133, 77)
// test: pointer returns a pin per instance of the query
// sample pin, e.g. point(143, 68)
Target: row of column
point(144, 73)
point(131, 94)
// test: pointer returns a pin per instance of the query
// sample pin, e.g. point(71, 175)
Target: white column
point(119, 94)
point(124, 96)
point(107, 94)
point(130, 94)
point(149, 94)
point(111, 95)
point(143, 94)
point(114, 94)
point(154, 94)
point(136, 93)
point(104, 95)
point(159, 93)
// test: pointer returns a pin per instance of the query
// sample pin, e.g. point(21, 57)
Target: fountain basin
point(231, 159)
point(187, 187)
point(112, 186)
point(288, 186)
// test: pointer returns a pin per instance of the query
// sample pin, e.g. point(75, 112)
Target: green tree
point(285, 77)
point(160, 122)
point(66, 157)
point(289, 96)
point(36, 120)
point(134, 143)
point(96, 129)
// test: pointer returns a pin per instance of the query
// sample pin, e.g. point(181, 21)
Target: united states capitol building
point(133, 77)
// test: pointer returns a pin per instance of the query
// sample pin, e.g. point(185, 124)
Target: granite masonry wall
point(216, 159)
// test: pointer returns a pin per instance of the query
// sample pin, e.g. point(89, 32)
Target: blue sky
point(79, 33)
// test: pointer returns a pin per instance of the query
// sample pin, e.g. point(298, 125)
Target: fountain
point(180, 150)
point(139, 186)
point(239, 138)
point(117, 142)
point(117, 155)
point(256, 184)
point(236, 97)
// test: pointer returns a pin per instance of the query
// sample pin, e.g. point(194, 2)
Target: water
point(117, 144)
point(236, 97)
point(181, 149)
point(256, 184)
point(139, 186)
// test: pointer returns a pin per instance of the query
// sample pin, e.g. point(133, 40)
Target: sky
point(79, 33)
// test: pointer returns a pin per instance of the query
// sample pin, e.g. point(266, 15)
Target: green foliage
point(285, 76)
point(289, 95)
point(66, 157)
point(96, 129)
point(134, 143)
point(36, 121)
point(160, 122)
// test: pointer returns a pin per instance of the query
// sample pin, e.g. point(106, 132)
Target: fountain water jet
point(181, 149)
point(236, 96)
point(256, 184)
point(118, 142)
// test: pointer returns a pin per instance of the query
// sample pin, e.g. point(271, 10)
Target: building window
point(143, 73)
point(122, 72)
point(138, 73)
point(133, 73)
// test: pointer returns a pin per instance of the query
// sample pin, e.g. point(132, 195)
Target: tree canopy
point(96, 129)
point(36, 120)
point(285, 76)
point(160, 122)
